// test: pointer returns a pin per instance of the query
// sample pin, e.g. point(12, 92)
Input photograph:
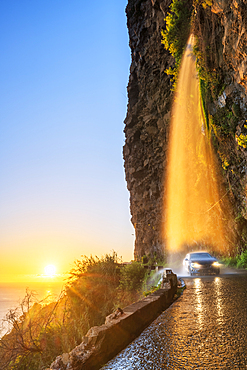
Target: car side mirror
point(186, 259)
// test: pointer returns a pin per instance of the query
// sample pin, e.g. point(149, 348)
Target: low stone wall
point(102, 343)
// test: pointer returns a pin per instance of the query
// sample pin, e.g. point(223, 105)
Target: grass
point(96, 287)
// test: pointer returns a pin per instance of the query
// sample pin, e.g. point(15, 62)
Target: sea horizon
point(12, 294)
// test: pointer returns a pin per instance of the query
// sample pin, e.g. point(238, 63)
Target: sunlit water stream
point(196, 205)
point(206, 328)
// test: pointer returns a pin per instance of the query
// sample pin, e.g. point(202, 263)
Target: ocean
point(11, 294)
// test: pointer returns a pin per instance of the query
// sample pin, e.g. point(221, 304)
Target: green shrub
point(229, 261)
point(91, 291)
point(239, 261)
point(242, 260)
point(96, 287)
point(132, 277)
point(152, 282)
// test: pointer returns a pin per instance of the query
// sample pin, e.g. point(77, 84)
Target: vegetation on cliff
point(218, 30)
point(223, 99)
point(40, 332)
point(175, 36)
point(238, 261)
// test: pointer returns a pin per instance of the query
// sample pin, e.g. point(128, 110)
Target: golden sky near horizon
point(29, 266)
point(62, 191)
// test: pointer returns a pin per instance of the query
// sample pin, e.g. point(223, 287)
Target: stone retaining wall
point(102, 343)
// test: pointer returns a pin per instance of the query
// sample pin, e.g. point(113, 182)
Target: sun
point(50, 270)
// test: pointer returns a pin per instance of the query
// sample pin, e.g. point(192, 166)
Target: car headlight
point(195, 265)
point(216, 264)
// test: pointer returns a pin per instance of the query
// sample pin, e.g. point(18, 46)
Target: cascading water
point(193, 200)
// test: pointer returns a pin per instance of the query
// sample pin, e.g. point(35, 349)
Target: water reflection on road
point(204, 329)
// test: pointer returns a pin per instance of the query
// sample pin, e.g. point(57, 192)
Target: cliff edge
point(220, 27)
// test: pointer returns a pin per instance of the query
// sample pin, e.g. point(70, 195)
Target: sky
point(64, 71)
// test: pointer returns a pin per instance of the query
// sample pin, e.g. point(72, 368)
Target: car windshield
point(195, 256)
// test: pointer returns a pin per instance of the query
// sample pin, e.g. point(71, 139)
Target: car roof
point(200, 254)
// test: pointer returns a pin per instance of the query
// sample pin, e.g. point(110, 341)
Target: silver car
point(201, 263)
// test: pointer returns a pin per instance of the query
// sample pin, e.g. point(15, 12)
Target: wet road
point(206, 328)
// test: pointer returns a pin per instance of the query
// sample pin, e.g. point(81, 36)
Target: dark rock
point(149, 110)
point(222, 31)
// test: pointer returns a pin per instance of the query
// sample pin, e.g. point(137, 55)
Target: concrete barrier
point(102, 343)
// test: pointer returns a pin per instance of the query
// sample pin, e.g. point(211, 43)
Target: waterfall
point(195, 202)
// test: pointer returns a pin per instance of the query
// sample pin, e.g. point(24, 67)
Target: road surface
point(206, 328)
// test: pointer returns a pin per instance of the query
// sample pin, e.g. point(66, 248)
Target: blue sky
point(64, 71)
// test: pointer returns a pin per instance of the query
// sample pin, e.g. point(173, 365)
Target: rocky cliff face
point(221, 27)
point(232, 19)
point(146, 124)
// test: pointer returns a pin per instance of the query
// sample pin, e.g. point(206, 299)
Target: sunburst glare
point(50, 270)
